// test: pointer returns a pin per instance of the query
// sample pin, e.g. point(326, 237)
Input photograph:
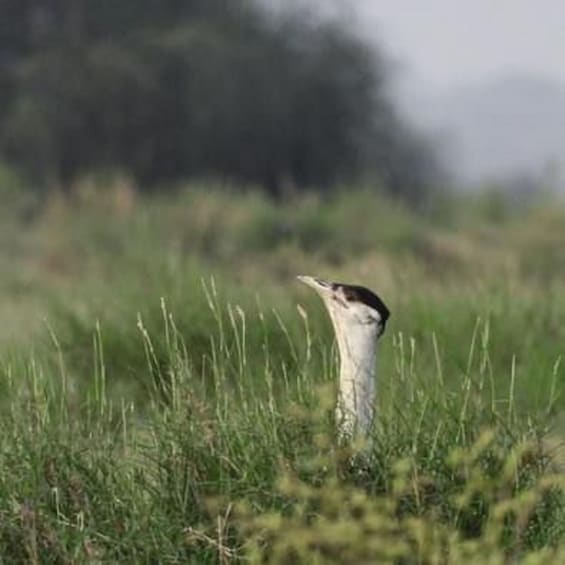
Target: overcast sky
point(448, 55)
point(453, 42)
point(456, 42)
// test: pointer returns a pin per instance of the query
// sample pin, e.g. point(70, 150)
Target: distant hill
point(506, 126)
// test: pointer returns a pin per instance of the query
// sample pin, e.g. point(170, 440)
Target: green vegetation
point(166, 387)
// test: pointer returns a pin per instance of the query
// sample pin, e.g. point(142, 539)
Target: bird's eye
point(349, 295)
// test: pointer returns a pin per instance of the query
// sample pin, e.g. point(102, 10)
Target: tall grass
point(236, 457)
point(167, 395)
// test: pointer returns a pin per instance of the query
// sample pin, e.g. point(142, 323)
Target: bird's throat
point(357, 380)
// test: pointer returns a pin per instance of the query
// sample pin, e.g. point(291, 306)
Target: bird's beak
point(319, 285)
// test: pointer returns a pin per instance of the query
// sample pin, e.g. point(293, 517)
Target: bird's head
point(351, 305)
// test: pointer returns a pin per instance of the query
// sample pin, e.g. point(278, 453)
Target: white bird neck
point(357, 350)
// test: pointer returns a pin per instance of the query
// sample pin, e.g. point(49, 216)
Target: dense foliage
point(173, 89)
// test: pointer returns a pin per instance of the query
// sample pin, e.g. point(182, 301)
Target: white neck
point(357, 387)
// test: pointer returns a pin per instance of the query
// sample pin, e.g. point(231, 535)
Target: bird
point(359, 319)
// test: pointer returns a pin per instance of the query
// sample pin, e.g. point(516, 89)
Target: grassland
point(166, 386)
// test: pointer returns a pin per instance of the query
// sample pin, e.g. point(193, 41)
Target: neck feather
point(356, 402)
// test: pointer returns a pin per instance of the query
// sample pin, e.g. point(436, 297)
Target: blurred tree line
point(168, 89)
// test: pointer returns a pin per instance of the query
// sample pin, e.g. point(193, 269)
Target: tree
point(174, 88)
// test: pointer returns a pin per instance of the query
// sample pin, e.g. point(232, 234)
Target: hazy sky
point(452, 58)
point(450, 42)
